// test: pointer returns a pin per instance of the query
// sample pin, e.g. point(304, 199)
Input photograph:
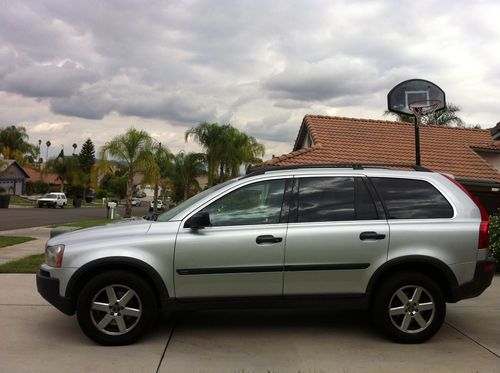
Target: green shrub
point(495, 236)
point(36, 187)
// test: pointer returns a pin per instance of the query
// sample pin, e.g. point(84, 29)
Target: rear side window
point(334, 199)
point(412, 199)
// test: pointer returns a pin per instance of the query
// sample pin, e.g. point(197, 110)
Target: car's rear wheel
point(116, 308)
point(409, 307)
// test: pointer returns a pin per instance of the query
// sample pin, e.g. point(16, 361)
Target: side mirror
point(198, 221)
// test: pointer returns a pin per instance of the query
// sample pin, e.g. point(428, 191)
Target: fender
point(118, 261)
point(414, 261)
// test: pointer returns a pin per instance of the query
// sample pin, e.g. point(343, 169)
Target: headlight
point(54, 255)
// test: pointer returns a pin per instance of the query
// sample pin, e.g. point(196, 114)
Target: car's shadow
point(273, 319)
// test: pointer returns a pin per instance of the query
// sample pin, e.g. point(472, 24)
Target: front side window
point(258, 203)
point(412, 199)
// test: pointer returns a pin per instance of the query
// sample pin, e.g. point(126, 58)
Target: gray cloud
point(48, 80)
point(260, 65)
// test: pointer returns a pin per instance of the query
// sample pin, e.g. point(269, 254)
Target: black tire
point(413, 322)
point(134, 327)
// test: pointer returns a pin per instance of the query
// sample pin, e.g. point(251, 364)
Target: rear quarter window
point(411, 199)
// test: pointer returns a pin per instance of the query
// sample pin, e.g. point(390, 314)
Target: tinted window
point(258, 203)
point(412, 199)
point(326, 199)
point(365, 207)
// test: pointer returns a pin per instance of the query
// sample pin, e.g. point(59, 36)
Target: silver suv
point(400, 243)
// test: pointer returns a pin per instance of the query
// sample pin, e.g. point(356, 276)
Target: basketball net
point(424, 108)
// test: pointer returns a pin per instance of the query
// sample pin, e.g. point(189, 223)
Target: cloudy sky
point(76, 69)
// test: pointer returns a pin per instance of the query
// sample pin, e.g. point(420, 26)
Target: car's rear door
point(337, 236)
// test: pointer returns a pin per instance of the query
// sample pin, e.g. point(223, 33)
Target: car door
point(241, 253)
point(337, 236)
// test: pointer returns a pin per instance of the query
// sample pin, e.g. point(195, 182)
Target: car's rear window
point(412, 199)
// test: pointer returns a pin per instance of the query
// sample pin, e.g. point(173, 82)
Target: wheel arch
point(432, 267)
point(140, 268)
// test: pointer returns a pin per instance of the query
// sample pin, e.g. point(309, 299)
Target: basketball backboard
point(415, 92)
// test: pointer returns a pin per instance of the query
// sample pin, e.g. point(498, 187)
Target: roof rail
point(355, 166)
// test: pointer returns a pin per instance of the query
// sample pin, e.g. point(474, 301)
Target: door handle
point(371, 236)
point(268, 239)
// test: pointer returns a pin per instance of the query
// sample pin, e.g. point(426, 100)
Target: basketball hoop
point(420, 108)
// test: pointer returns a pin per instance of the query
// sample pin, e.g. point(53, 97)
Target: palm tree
point(447, 117)
point(210, 137)
point(186, 168)
point(48, 144)
point(226, 149)
point(64, 167)
point(14, 144)
point(134, 148)
point(162, 158)
point(241, 150)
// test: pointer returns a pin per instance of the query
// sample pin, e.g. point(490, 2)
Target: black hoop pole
point(417, 142)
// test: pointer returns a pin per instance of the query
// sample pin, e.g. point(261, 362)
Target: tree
point(64, 167)
point(156, 175)
point(209, 136)
point(74, 147)
point(48, 144)
point(226, 149)
point(134, 148)
point(14, 144)
point(447, 117)
point(87, 156)
point(186, 168)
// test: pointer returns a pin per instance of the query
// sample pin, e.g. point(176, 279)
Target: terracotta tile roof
point(350, 140)
point(48, 177)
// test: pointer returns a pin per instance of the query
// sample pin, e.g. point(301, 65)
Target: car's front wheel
point(116, 308)
point(409, 307)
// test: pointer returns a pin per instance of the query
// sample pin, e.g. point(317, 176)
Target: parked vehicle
point(90, 195)
point(53, 200)
point(136, 201)
point(400, 243)
point(159, 205)
point(140, 194)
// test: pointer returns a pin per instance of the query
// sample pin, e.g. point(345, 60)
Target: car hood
point(103, 232)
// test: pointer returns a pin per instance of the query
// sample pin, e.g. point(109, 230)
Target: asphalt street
point(15, 218)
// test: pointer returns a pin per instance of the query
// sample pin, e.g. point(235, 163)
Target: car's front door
point(336, 237)
point(241, 253)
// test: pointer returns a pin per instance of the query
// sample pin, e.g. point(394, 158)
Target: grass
point(13, 240)
point(30, 264)
point(18, 201)
point(86, 223)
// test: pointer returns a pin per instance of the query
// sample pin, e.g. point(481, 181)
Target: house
point(471, 155)
point(46, 177)
point(12, 177)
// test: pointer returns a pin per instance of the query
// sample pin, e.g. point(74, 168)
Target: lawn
point(13, 240)
point(30, 264)
point(18, 201)
point(86, 223)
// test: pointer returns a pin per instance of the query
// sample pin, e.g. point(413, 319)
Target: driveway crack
point(166, 346)
point(472, 339)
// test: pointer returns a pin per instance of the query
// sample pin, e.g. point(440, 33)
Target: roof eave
point(478, 182)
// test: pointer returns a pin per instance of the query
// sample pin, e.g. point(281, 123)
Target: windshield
point(50, 195)
point(191, 201)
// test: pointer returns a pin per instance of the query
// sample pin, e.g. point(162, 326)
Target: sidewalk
point(25, 249)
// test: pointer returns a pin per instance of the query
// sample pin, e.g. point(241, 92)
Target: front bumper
point(49, 289)
point(482, 279)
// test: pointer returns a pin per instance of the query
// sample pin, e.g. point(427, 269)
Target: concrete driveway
point(38, 338)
